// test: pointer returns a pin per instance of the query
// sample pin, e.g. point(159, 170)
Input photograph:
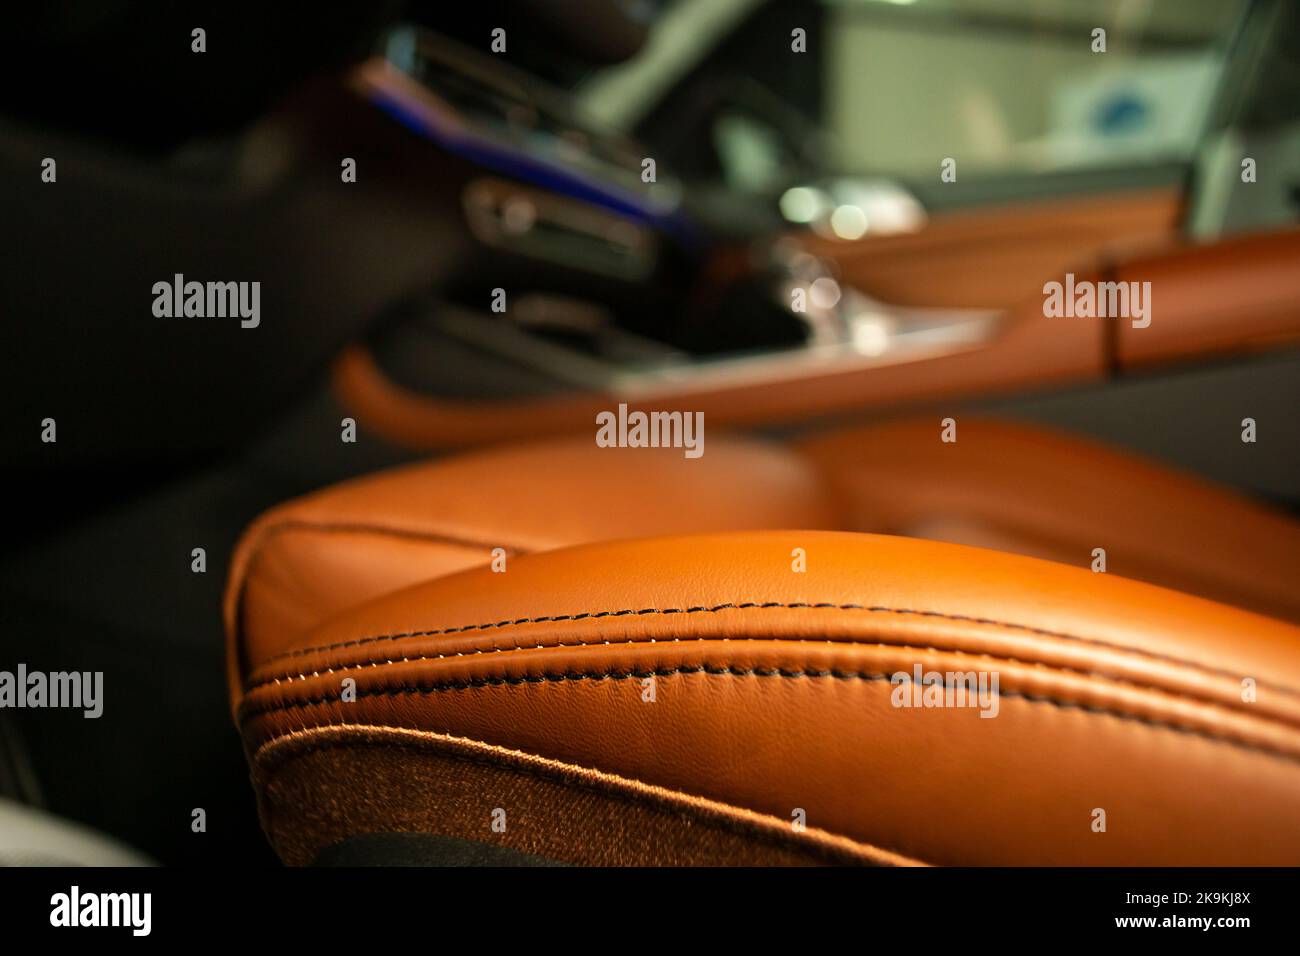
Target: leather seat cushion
point(707, 668)
point(310, 558)
point(1010, 487)
point(1030, 490)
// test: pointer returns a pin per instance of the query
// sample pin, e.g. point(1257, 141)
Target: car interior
point(651, 433)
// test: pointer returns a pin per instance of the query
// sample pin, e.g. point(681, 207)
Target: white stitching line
point(1240, 740)
point(586, 615)
point(1049, 670)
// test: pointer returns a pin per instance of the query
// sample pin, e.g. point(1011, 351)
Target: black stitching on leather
point(374, 665)
point(748, 605)
point(476, 683)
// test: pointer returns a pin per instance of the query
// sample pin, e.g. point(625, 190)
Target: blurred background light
point(849, 222)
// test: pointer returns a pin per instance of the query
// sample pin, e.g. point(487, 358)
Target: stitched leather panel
point(772, 691)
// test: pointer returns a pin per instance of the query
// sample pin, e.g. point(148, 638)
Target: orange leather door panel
point(995, 256)
point(1235, 295)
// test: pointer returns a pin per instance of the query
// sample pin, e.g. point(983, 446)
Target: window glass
point(891, 87)
point(1014, 85)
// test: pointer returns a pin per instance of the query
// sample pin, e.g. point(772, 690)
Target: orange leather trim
point(1234, 295)
point(996, 256)
point(1238, 294)
point(306, 560)
point(1012, 487)
point(1030, 490)
point(1029, 351)
point(773, 691)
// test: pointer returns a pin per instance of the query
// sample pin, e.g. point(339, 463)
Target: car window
point(892, 88)
point(1247, 174)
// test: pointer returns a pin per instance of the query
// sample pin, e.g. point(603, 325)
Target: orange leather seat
point(310, 558)
point(1030, 490)
point(695, 698)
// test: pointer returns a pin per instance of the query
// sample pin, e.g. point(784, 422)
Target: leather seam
point(782, 673)
point(1053, 669)
point(262, 538)
point(558, 775)
point(763, 605)
point(361, 527)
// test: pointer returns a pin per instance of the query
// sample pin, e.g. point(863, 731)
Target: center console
point(595, 279)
